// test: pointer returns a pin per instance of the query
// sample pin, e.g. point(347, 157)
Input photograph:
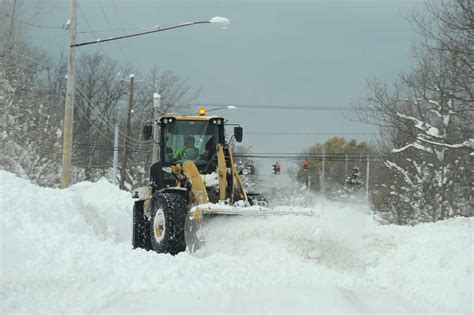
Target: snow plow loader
point(194, 176)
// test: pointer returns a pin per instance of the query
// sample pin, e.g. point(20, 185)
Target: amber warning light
point(202, 111)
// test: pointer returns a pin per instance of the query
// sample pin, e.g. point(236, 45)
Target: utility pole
point(367, 179)
point(12, 26)
point(156, 128)
point(321, 178)
point(69, 105)
point(116, 148)
point(347, 164)
point(123, 168)
point(6, 54)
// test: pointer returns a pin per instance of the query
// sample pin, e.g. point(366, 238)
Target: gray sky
point(291, 53)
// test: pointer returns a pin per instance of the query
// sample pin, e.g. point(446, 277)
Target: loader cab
point(190, 138)
point(186, 138)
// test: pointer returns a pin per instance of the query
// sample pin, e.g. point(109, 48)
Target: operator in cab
point(187, 151)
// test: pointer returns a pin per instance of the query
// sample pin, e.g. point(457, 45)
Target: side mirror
point(238, 133)
point(147, 132)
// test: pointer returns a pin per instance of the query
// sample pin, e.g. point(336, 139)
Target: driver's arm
point(179, 153)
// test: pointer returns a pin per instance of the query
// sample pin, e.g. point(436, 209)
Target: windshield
point(190, 140)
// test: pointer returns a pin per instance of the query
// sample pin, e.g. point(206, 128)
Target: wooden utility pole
point(156, 128)
point(69, 105)
point(123, 168)
point(116, 148)
point(367, 177)
point(347, 166)
point(12, 26)
point(321, 175)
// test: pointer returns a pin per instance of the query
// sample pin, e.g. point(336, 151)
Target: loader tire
point(140, 228)
point(168, 214)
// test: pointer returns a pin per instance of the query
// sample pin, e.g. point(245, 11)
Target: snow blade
point(244, 210)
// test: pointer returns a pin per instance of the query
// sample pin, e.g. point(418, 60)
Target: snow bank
point(68, 251)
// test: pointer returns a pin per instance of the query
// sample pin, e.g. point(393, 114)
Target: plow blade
point(246, 211)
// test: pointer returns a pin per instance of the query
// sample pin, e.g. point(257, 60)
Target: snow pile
point(48, 234)
point(429, 263)
point(68, 251)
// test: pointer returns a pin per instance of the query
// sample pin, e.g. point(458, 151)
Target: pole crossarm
point(159, 29)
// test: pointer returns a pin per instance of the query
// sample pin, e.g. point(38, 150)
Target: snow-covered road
point(68, 251)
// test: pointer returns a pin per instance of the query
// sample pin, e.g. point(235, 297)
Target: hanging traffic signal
point(277, 168)
point(274, 169)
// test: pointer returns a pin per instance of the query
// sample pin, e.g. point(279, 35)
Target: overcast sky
point(290, 53)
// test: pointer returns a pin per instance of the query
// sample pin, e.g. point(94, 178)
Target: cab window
point(190, 140)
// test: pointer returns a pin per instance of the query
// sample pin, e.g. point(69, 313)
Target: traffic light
point(305, 165)
point(276, 168)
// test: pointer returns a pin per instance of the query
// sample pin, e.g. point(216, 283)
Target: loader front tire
point(168, 214)
point(140, 228)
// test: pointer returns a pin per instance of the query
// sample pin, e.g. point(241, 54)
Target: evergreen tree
point(353, 182)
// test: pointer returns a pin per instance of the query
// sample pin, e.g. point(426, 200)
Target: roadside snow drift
point(69, 251)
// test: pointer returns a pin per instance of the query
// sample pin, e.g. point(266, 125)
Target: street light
point(221, 22)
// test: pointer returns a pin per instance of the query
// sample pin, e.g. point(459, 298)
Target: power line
point(120, 20)
point(92, 123)
point(99, 147)
point(349, 153)
point(92, 166)
point(314, 156)
point(108, 124)
point(116, 30)
point(89, 26)
point(311, 158)
point(108, 23)
point(100, 46)
point(350, 157)
point(32, 24)
point(84, 97)
point(279, 107)
point(103, 13)
point(26, 57)
point(307, 133)
point(105, 120)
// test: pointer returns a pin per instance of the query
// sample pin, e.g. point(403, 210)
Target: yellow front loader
point(195, 175)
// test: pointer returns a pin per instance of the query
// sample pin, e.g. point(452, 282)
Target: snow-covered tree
point(30, 119)
point(353, 183)
point(426, 120)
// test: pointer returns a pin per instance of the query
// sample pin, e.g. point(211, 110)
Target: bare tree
point(100, 91)
point(426, 119)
